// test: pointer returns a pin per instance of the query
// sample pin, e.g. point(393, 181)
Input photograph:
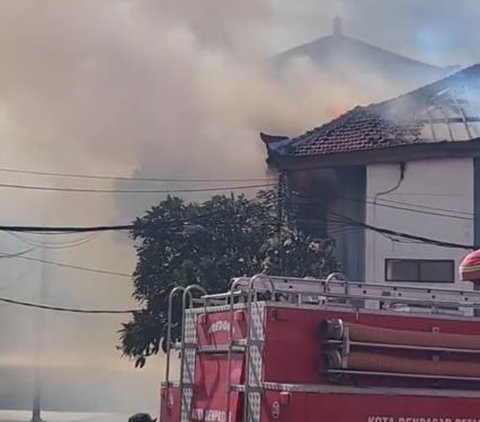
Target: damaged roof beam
point(437, 120)
point(445, 119)
point(462, 113)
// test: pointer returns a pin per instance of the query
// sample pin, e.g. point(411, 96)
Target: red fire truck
point(310, 350)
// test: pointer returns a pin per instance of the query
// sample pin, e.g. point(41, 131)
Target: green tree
point(181, 243)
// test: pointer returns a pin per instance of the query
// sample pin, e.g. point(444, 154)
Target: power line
point(54, 245)
point(16, 254)
point(391, 232)
point(130, 191)
point(411, 204)
point(194, 180)
point(63, 265)
point(319, 167)
point(132, 179)
point(397, 207)
point(87, 229)
point(418, 211)
point(65, 309)
point(102, 228)
point(164, 224)
point(64, 229)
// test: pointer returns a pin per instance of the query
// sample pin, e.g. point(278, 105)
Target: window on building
point(420, 270)
point(312, 220)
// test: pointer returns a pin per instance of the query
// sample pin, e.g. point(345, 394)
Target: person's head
point(141, 417)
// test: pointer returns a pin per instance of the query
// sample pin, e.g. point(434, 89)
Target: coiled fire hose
point(373, 362)
point(335, 330)
point(382, 362)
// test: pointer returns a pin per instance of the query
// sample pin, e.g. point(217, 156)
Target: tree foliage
point(181, 243)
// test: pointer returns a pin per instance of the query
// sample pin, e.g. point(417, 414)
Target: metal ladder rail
point(234, 292)
point(358, 290)
point(185, 402)
point(251, 293)
point(338, 277)
point(332, 278)
point(171, 296)
point(230, 345)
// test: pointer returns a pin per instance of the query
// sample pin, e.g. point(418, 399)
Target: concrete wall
point(428, 187)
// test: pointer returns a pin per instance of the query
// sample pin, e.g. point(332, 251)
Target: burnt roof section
point(444, 111)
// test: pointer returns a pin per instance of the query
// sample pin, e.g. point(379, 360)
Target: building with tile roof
point(356, 61)
point(441, 112)
point(409, 164)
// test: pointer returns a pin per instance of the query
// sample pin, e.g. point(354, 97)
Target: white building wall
point(440, 185)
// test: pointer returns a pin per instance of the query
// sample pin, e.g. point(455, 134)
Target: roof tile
point(399, 121)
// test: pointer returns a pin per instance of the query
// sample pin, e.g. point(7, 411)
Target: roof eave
point(400, 153)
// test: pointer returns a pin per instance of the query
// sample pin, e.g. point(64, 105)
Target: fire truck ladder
point(334, 291)
point(187, 346)
point(248, 291)
point(251, 346)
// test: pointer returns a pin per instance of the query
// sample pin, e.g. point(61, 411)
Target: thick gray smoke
point(172, 88)
point(440, 32)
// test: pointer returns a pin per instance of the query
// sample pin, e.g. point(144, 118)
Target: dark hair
point(141, 417)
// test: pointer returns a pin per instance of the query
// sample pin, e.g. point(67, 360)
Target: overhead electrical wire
point(44, 229)
point(409, 236)
point(204, 180)
point(397, 207)
point(16, 254)
point(133, 179)
point(70, 229)
point(66, 309)
point(340, 229)
point(54, 245)
point(201, 180)
point(417, 211)
point(130, 191)
point(420, 206)
point(64, 229)
point(89, 229)
point(21, 255)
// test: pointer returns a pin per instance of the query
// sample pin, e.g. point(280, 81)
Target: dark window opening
point(420, 270)
point(312, 220)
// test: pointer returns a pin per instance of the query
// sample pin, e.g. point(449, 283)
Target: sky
point(165, 88)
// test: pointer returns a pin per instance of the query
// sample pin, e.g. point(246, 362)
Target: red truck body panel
point(296, 389)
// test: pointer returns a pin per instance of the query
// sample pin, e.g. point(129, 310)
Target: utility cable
point(88, 229)
point(422, 239)
point(132, 179)
point(420, 206)
point(64, 229)
point(65, 309)
point(397, 207)
point(132, 191)
point(54, 245)
point(63, 265)
point(16, 254)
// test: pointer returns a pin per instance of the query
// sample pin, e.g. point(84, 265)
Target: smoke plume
point(169, 88)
